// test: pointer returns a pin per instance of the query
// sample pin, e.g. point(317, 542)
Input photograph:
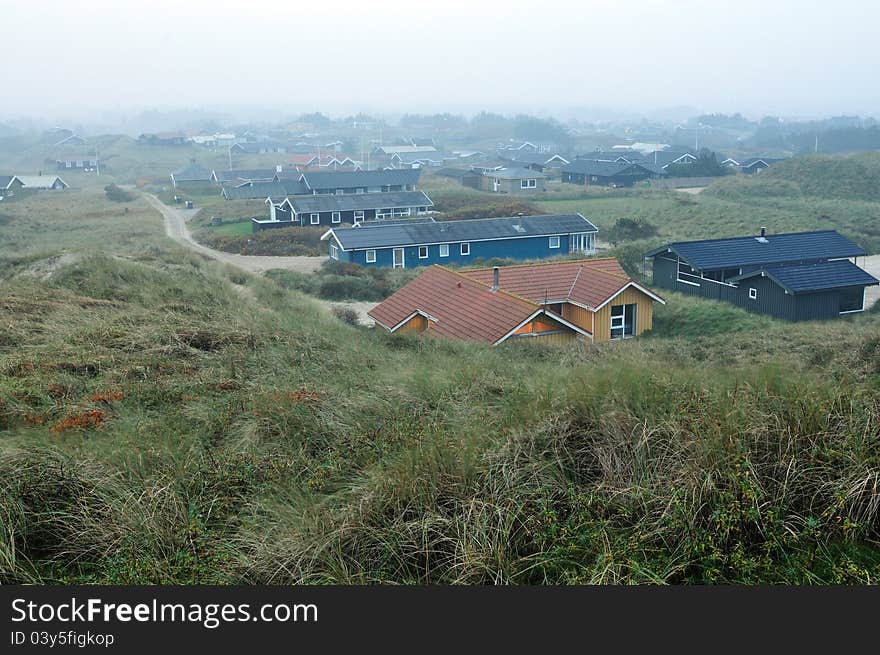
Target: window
point(528, 184)
point(852, 300)
point(340, 192)
point(336, 217)
point(688, 274)
point(315, 219)
point(444, 250)
point(423, 252)
point(371, 256)
point(554, 242)
point(623, 321)
point(334, 251)
point(753, 293)
point(359, 190)
point(465, 249)
point(383, 213)
point(358, 216)
point(423, 210)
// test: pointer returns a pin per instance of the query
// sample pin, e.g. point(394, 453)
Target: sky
point(798, 58)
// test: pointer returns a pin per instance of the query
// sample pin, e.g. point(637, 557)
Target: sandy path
point(176, 228)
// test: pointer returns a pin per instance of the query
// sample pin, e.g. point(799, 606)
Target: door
point(399, 259)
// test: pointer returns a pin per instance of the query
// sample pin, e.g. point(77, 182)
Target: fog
point(66, 60)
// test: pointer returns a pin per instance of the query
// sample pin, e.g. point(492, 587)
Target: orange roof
point(456, 306)
point(587, 282)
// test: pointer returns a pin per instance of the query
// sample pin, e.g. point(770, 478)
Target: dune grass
point(165, 419)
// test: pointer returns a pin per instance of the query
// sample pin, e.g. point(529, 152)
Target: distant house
point(77, 163)
point(9, 184)
point(461, 242)
point(662, 159)
point(277, 190)
point(465, 176)
point(537, 161)
point(418, 160)
point(592, 172)
point(238, 176)
point(263, 147)
point(215, 140)
point(560, 302)
point(512, 180)
point(346, 182)
point(325, 209)
point(163, 139)
point(753, 165)
point(191, 176)
point(72, 139)
point(797, 276)
point(42, 182)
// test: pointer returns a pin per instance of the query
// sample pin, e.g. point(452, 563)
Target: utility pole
point(229, 151)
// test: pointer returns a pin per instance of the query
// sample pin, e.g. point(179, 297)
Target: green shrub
point(116, 194)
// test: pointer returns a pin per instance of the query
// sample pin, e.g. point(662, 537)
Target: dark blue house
point(409, 244)
point(798, 276)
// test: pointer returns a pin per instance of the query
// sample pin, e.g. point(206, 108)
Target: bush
point(285, 241)
point(628, 229)
point(116, 194)
point(346, 315)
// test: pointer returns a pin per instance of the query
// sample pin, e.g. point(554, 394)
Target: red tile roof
point(458, 307)
point(587, 282)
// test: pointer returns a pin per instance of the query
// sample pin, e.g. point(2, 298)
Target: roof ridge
point(751, 236)
point(556, 263)
point(488, 286)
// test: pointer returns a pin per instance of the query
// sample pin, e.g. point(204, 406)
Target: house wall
point(416, 325)
point(772, 299)
point(524, 248)
point(508, 186)
point(644, 314)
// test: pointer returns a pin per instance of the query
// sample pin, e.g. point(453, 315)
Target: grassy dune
point(160, 423)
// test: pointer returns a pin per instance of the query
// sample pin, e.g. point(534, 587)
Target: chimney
point(495, 275)
point(763, 231)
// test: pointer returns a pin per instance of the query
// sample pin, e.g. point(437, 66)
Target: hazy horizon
point(83, 63)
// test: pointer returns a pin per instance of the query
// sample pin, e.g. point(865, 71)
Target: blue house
point(409, 244)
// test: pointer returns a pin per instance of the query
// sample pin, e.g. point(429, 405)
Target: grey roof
point(358, 201)
point(665, 157)
point(245, 174)
point(455, 173)
point(751, 161)
point(603, 168)
point(793, 247)
point(192, 173)
point(480, 229)
point(516, 174)
point(527, 157)
point(5, 180)
point(808, 278)
point(396, 221)
point(348, 179)
point(263, 190)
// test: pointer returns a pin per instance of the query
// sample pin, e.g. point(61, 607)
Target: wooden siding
point(416, 325)
point(581, 317)
point(644, 313)
point(565, 337)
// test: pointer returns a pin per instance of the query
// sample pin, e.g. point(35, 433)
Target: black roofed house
point(162, 139)
point(797, 276)
point(593, 172)
point(9, 184)
point(346, 182)
point(329, 210)
point(512, 180)
point(537, 161)
point(192, 176)
point(422, 243)
point(241, 175)
point(465, 176)
point(86, 163)
point(262, 147)
point(256, 190)
point(662, 159)
point(42, 183)
point(753, 165)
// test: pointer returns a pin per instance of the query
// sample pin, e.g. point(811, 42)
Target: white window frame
point(444, 250)
point(359, 190)
point(340, 192)
point(402, 264)
point(336, 217)
point(678, 263)
point(334, 252)
point(531, 183)
point(314, 219)
point(371, 256)
point(464, 248)
point(358, 216)
point(856, 311)
point(554, 240)
point(753, 293)
point(425, 248)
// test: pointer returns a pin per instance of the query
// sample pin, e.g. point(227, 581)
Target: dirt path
point(176, 228)
point(872, 265)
